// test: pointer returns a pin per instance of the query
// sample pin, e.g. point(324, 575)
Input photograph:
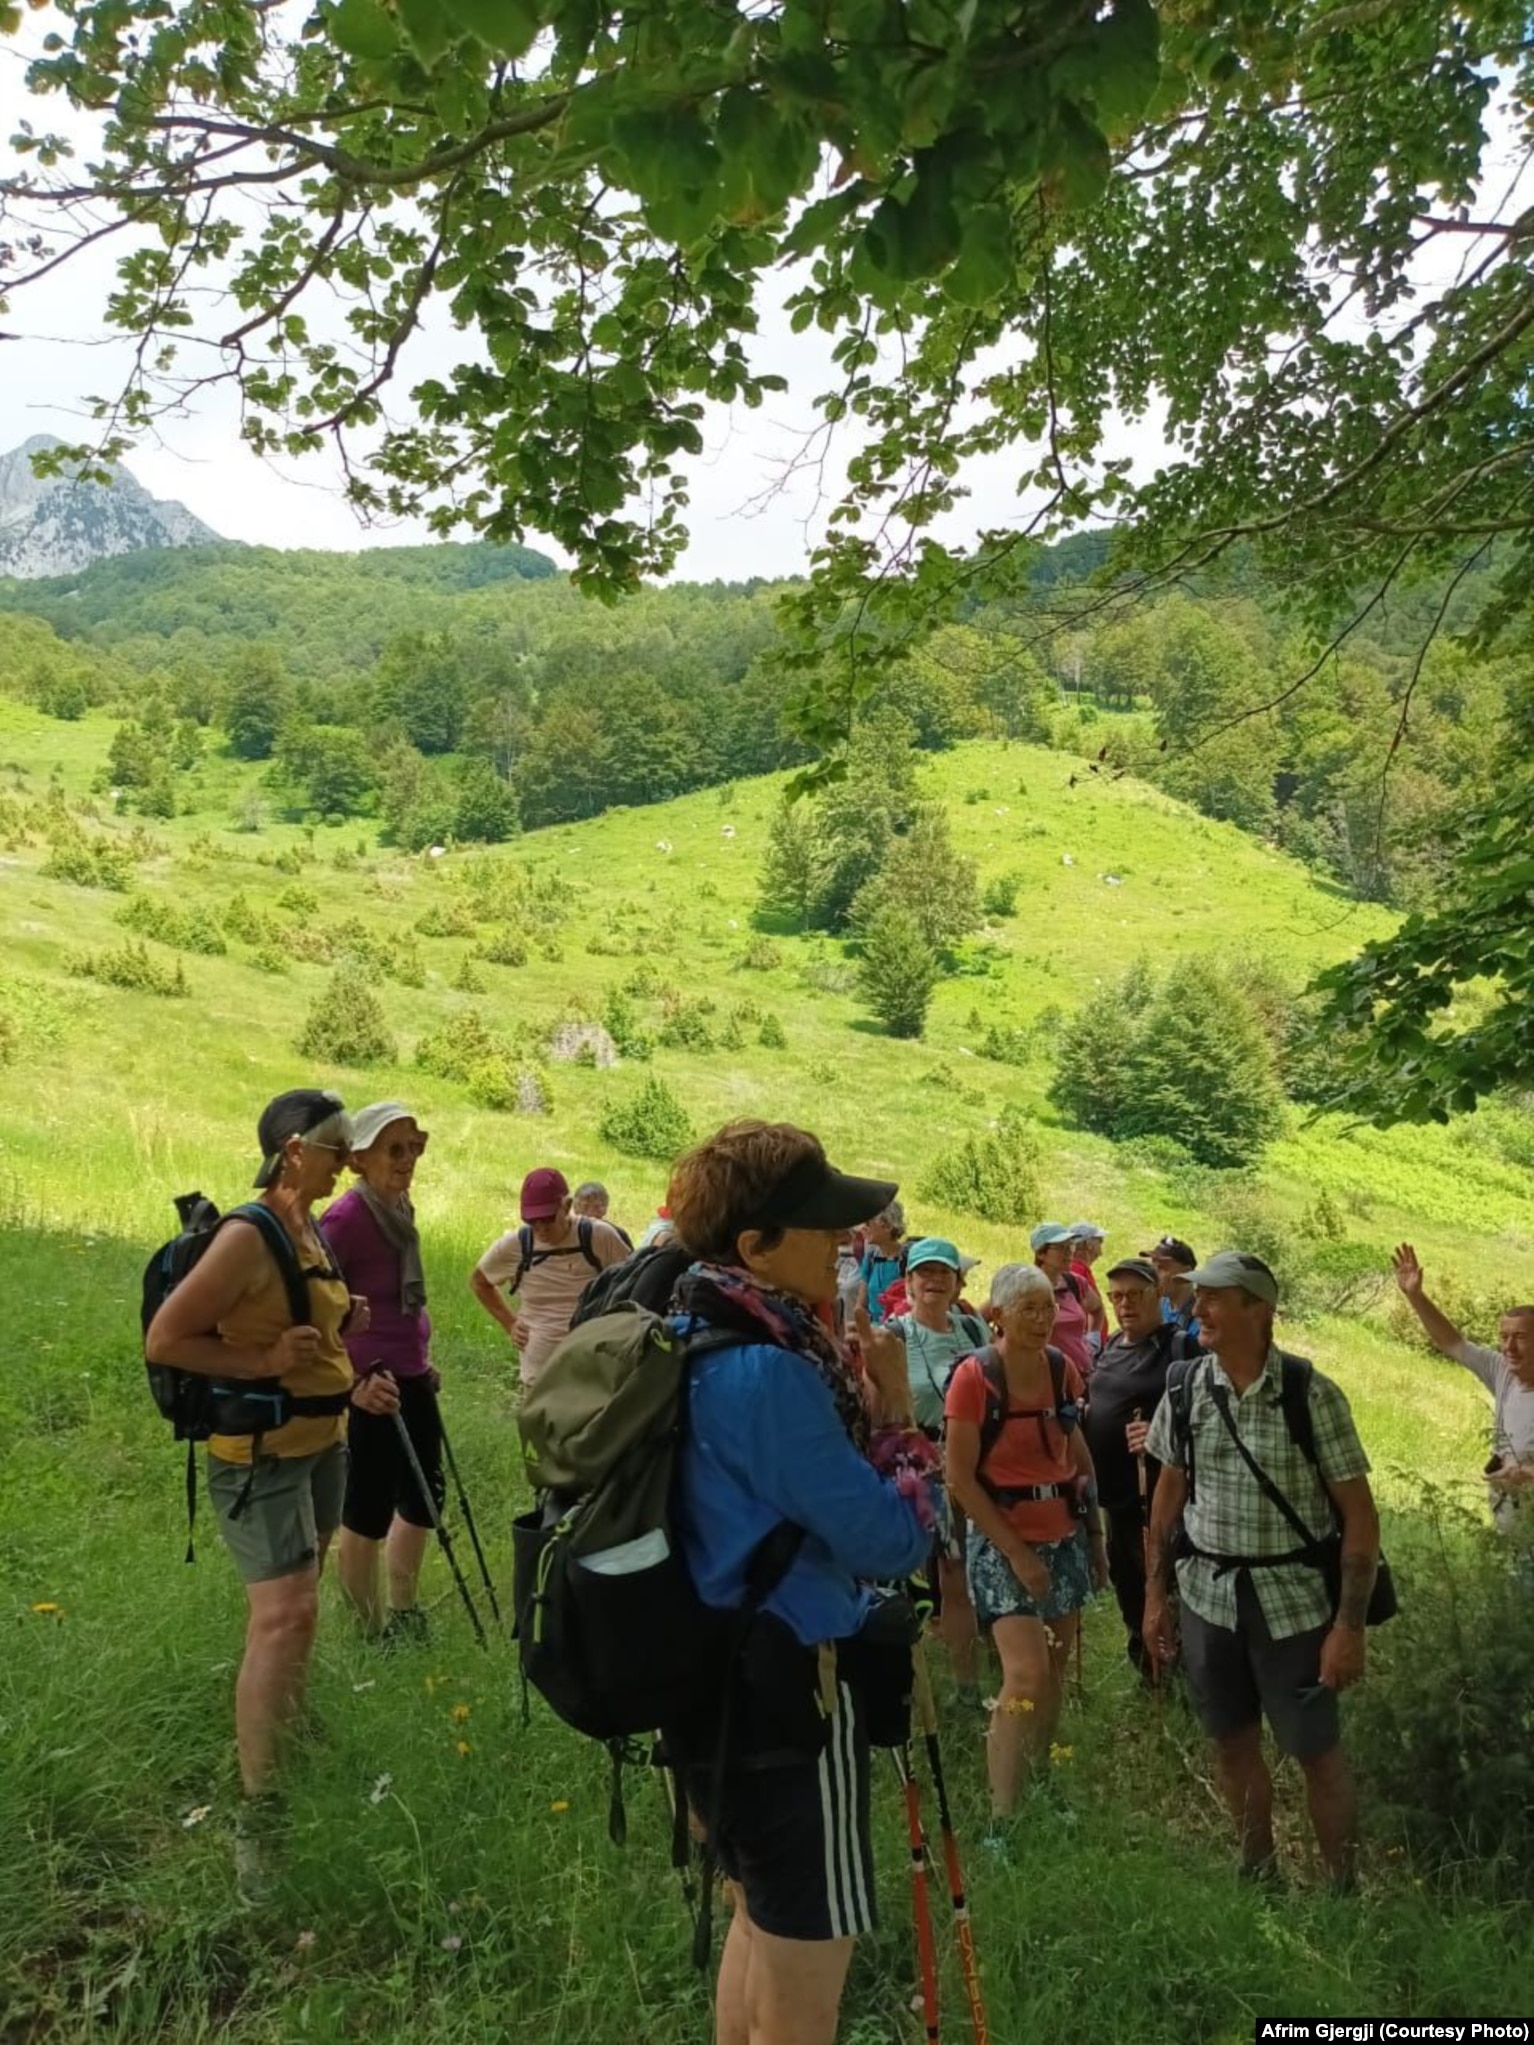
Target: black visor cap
point(816, 1195)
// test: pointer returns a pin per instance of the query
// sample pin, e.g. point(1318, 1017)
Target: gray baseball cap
point(1236, 1268)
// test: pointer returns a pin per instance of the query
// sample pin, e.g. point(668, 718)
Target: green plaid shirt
point(1229, 1515)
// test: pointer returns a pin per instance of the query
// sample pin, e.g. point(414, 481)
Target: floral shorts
point(997, 1593)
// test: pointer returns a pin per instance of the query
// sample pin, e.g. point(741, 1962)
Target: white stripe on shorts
point(847, 1900)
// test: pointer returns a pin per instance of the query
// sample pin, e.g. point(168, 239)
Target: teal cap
point(1049, 1232)
point(934, 1250)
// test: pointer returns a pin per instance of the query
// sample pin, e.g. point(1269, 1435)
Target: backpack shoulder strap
point(1179, 1391)
point(973, 1329)
point(1265, 1484)
point(997, 1399)
point(284, 1255)
point(525, 1250)
point(584, 1235)
point(1294, 1401)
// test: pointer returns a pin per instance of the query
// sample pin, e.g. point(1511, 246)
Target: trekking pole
point(444, 1538)
point(921, 1900)
point(963, 1931)
point(468, 1520)
point(1142, 1479)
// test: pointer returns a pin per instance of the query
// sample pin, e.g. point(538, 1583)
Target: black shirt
point(1129, 1377)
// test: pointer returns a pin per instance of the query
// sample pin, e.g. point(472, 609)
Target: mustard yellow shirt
point(259, 1320)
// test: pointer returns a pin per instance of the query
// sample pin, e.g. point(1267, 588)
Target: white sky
point(739, 527)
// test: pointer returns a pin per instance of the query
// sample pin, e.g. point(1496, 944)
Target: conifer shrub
point(88, 861)
point(686, 1028)
point(193, 930)
point(134, 966)
point(1002, 895)
point(298, 900)
point(898, 970)
point(1180, 1054)
point(346, 1025)
point(995, 1177)
point(621, 1021)
point(761, 955)
point(508, 1087)
point(447, 919)
point(463, 1043)
point(772, 1036)
point(651, 1123)
point(502, 948)
point(468, 979)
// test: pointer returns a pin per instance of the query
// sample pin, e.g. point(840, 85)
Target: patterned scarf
point(396, 1224)
point(729, 1298)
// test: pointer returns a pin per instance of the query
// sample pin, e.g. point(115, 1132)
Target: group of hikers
point(1084, 1420)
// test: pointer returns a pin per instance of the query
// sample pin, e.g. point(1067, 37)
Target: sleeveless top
point(259, 1319)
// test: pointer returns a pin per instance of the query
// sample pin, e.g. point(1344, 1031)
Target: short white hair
point(1014, 1282)
point(894, 1214)
point(334, 1133)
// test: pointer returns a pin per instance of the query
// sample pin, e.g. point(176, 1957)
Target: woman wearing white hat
point(372, 1229)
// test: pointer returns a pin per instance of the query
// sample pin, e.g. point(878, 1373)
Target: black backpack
point(197, 1405)
point(647, 1279)
point(999, 1411)
point(610, 1628)
point(532, 1253)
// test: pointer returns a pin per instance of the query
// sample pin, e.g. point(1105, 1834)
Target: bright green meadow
point(449, 1877)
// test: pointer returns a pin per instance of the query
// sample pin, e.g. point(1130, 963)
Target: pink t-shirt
point(1071, 1325)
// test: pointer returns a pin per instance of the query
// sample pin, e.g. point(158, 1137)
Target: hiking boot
point(405, 1628)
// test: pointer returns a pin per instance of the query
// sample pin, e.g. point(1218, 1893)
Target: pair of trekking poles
point(921, 1862)
point(439, 1526)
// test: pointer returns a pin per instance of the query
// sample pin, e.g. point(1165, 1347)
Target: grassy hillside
point(116, 1907)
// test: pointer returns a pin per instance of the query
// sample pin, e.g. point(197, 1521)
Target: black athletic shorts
point(795, 1836)
point(1237, 1677)
point(379, 1481)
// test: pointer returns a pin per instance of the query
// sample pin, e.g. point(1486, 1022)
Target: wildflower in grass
point(452, 1942)
point(380, 1789)
point(560, 1804)
point(464, 1747)
point(48, 1610)
point(195, 1817)
point(1059, 1754)
point(460, 1714)
point(304, 1943)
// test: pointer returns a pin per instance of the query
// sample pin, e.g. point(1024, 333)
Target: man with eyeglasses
point(1267, 1630)
point(1127, 1386)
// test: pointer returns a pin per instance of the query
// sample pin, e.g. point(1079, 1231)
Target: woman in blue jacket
point(784, 1429)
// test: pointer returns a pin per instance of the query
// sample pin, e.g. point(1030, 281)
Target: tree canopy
point(1273, 227)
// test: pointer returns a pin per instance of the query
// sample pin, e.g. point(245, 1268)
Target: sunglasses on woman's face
point(407, 1146)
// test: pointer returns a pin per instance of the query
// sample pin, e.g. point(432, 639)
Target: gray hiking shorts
point(1238, 1677)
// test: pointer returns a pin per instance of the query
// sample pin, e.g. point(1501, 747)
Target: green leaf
point(508, 27)
point(428, 27)
point(362, 29)
point(987, 261)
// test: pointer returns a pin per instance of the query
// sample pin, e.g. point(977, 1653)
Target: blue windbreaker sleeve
point(804, 1466)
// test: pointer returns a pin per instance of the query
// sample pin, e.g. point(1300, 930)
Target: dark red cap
point(544, 1192)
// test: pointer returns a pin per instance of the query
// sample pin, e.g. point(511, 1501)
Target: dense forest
point(468, 692)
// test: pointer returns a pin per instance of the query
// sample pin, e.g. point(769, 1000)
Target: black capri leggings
point(379, 1481)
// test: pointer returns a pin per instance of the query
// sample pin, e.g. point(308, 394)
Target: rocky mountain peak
point(58, 525)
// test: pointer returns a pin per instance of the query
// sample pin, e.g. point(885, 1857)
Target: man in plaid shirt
point(1260, 1636)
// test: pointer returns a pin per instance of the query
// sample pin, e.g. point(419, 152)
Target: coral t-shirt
point(1031, 1449)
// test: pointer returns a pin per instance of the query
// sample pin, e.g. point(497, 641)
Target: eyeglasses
point(337, 1149)
point(411, 1146)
